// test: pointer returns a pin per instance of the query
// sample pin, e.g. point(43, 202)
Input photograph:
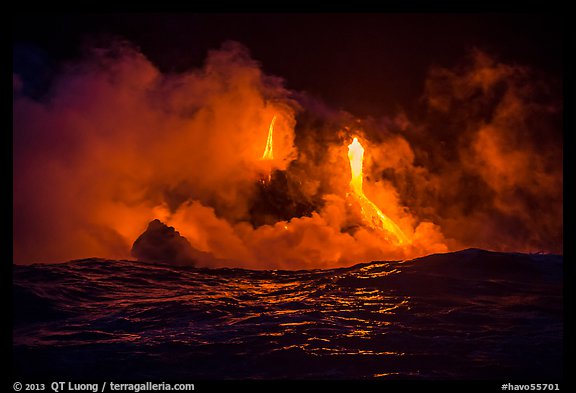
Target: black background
point(368, 64)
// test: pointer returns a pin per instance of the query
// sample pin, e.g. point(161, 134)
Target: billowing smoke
point(498, 158)
point(117, 144)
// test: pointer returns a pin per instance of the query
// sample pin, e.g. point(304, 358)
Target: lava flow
point(371, 213)
point(268, 154)
point(269, 151)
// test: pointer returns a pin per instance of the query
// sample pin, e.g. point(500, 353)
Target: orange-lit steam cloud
point(118, 144)
point(507, 164)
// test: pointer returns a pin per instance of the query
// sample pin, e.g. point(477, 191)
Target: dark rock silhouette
point(161, 243)
point(280, 199)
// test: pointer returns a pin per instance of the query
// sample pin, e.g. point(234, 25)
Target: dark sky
point(364, 63)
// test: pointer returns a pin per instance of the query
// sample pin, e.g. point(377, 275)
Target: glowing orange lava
point(269, 151)
point(370, 211)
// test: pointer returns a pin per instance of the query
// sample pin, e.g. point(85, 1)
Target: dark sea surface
point(471, 314)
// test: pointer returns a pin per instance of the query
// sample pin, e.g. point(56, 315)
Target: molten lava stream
point(269, 151)
point(268, 155)
point(371, 213)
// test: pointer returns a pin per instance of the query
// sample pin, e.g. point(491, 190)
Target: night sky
point(368, 64)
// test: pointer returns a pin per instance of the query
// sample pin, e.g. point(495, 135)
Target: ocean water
point(471, 314)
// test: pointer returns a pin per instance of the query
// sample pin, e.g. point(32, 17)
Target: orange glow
point(371, 213)
point(356, 157)
point(269, 151)
point(101, 159)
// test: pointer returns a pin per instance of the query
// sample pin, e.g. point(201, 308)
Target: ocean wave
point(464, 315)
